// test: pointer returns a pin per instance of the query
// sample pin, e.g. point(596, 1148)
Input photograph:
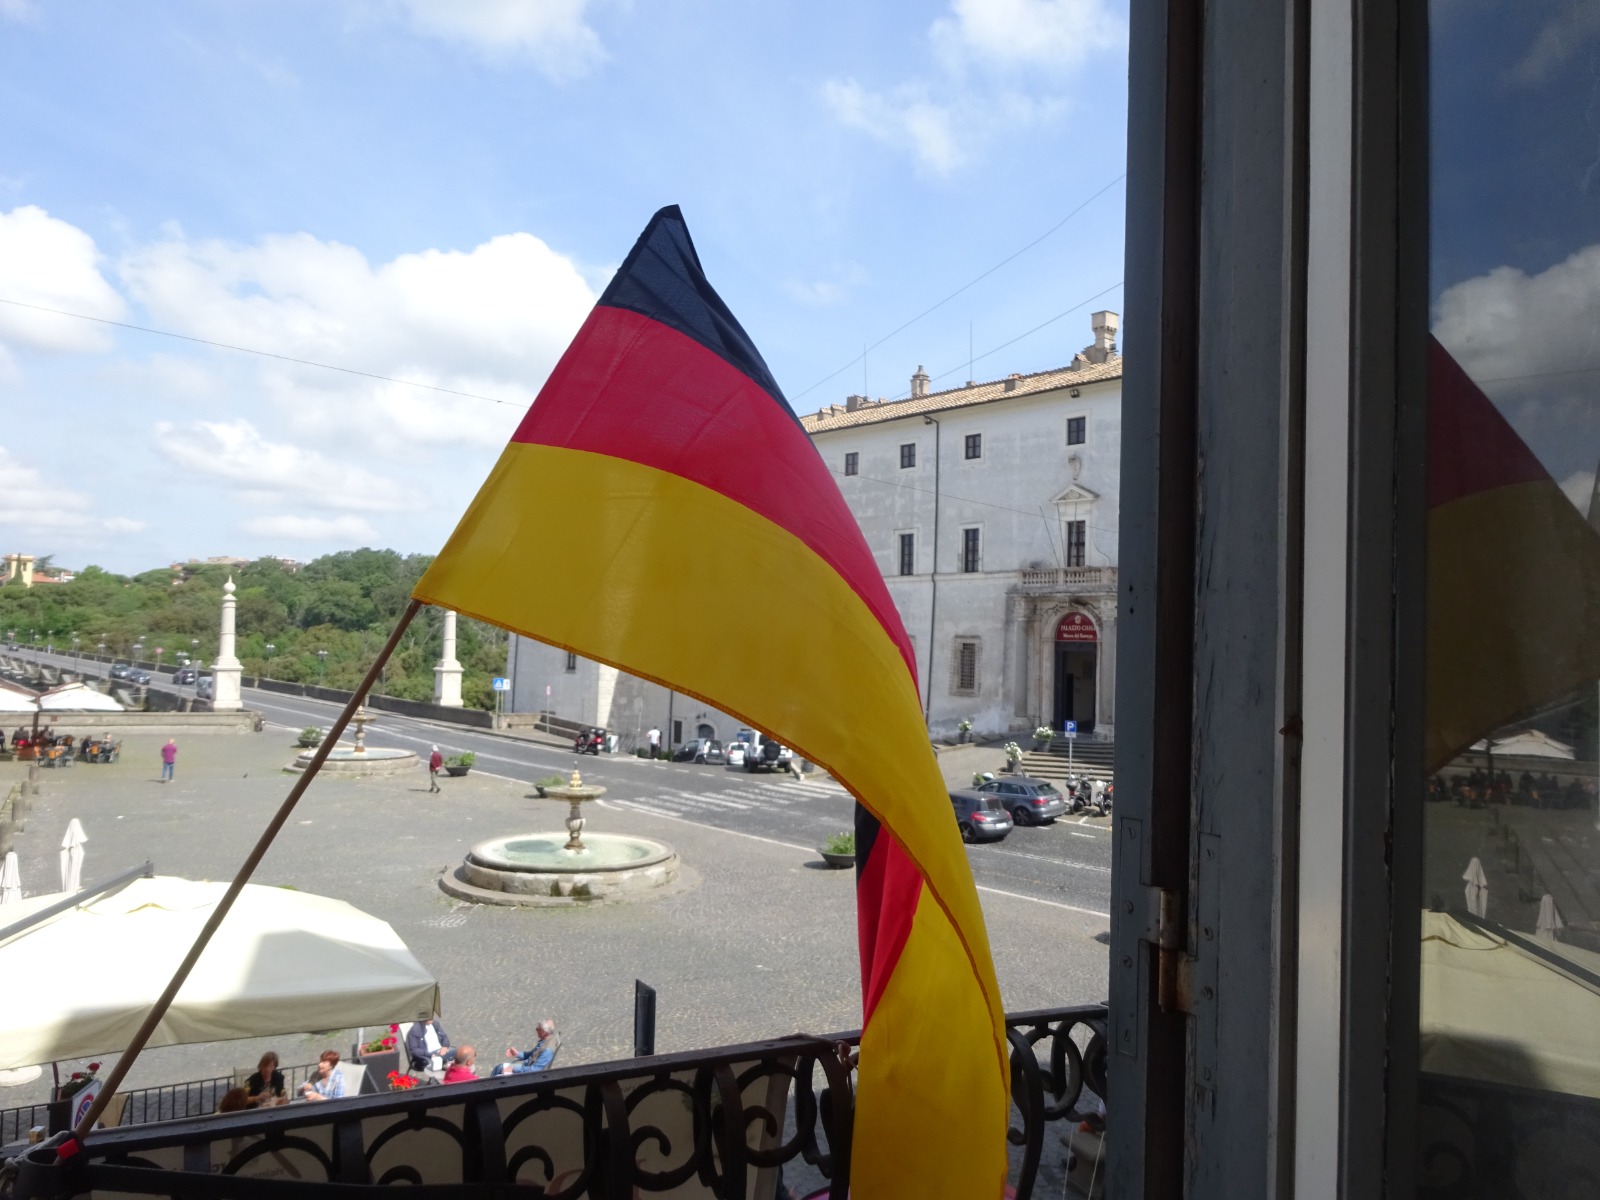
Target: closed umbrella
point(72, 856)
point(1477, 889)
point(10, 880)
point(1550, 922)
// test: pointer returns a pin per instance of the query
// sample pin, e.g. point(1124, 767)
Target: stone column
point(226, 671)
point(447, 675)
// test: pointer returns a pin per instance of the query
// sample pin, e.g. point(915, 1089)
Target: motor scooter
point(589, 741)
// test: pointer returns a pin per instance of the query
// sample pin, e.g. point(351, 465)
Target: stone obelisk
point(226, 671)
point(447, 675)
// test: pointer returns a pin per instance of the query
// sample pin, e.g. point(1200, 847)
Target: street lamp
point(194, 647)
point(102, 645)
point(322, 665)
point(271, 650)
point(138, 649)
point(74, 652)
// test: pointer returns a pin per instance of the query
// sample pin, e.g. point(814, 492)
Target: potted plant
point(58, 1111)
point(1043, 736)
point(840, 850)
point(964, 730)
point(549, 781)
point(310, 736)
point(399, 1082)
point(458, 765)
point(381, 1055)
point(1013, 756)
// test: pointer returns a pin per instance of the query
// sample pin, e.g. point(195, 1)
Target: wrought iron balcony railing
point(715, 1123)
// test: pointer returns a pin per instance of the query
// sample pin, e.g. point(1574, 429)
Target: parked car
point(137, 675)
point(203, 687)
point(119, 670)
point(1029, 801)
point(765, 754)
point(980, 817)
point(734, 753)
point(700, 750)
point(185, 675)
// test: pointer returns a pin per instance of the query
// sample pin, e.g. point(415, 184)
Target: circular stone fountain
point(359, 759)
point(544, 868)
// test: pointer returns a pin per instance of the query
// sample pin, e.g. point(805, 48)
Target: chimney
point(1105, 336)
point(919, 383)
point(852, 403)
point(1011, 381)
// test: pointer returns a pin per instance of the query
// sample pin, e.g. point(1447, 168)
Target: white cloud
point(552, 34)
point(263, 472)
point(1058, 34)
point(1514, 332)
point(1561, 37)
point(48, 262)
point(46, 513)
point(998, 66)
point(18, 10)
point(122, 525)
point(347, 529)
point(1579, 487)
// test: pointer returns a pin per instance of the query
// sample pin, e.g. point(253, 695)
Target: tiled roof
point(836, 416)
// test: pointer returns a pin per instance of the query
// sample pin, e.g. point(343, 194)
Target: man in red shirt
point(461, 1070)
point(435, 761)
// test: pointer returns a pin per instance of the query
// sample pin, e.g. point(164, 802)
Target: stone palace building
point(992, 510)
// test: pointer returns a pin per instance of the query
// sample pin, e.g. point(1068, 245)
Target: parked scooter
point(589, 741)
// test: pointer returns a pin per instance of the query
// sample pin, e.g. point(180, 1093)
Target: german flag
point(1513, 572)
point(660, 487)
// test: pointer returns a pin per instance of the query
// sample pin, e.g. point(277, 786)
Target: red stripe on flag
point(887, 893)
point(626, 378)
point(1471, 447)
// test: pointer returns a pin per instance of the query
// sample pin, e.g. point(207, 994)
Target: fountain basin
point(346, 760)
point(535, 868)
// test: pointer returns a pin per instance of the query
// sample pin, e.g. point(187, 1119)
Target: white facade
point(1020, 477)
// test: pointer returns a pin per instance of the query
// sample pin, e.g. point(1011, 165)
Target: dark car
point(700, 750)
point(1029, 801)
point(185, 675)
point(980, 817)
point(137, 675)
point(119, 670)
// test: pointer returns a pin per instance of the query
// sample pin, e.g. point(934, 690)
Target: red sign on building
point(1075, 627)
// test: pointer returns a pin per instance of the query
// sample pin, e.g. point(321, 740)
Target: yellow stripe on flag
point(635, 582)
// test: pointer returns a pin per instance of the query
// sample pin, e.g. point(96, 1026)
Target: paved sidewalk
point(763, 945)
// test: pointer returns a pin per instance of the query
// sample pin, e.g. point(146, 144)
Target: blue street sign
point(1072, 727)
point(502, 684)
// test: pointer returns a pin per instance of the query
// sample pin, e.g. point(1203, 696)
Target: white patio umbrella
point(72, 856)
point(11, 880)
point(77, 697)
point(1550, 922)
point(283, 962)
point(1477, 888)
point(15, 700)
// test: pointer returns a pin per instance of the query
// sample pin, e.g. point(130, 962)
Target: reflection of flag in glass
point(660, 509)
point(1513, 572)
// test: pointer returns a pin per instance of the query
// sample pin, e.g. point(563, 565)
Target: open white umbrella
point(77, 697)
point(16, 700)
point(72, 856)
point(1550, 922)
point(1477, 888)
point(11, 880)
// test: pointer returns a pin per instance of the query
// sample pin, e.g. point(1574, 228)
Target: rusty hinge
point(1172, 959)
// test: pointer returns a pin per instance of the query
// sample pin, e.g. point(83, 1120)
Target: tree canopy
point(345, 603)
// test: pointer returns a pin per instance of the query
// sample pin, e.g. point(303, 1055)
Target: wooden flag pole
point(253, 860)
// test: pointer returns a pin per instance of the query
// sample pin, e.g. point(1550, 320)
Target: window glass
point(966, 667)
point(974, 445)
point(852, 463)
point(1077, 430)
point(908, 554)
point(1510, 948)
point(1077, 541)
point(971, 550)
point(572, 662)
point(908, 455)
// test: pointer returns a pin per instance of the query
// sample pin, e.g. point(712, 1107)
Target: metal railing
point(720, 1122)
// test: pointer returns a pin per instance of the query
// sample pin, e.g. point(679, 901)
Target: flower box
point(380, 1064)
point(456, 772)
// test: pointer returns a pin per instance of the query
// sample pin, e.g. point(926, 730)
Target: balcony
point(720, 1122)
point(1067, 579)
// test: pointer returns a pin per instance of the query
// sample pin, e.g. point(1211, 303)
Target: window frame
point(1075, 547)
point(905, 539)
point(908, 456)
point(971, 561)
point(572, 663)
point(1082, 418)
point(971, 447)
point(852, 462)
point(962, 647)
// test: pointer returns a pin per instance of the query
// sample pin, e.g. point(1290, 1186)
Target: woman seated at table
point(326, 1082)
point(266, 1087)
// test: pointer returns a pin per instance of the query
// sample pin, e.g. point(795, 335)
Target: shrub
point(462, 760)
point(1043, 734)
point(965, 726)
point(312, 736)
point(843, 842)
point(552, 781)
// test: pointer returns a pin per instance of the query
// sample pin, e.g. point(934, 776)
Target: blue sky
point(436, 190)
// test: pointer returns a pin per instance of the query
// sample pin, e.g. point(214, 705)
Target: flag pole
point(159, 1009)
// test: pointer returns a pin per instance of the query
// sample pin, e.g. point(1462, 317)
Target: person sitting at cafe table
point(462, 1070)
point(428, 1046)
point(326, 1082)
point(266, 1087)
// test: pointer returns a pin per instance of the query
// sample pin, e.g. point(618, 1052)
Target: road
point(1066, 864)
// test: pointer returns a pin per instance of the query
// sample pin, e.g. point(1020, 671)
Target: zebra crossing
point(755, 795)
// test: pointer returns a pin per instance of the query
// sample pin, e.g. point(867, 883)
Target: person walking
point(435, 761)
point(169, 759)
point(654, 737)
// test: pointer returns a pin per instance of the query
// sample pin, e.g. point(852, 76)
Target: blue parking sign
point(1072, 727)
